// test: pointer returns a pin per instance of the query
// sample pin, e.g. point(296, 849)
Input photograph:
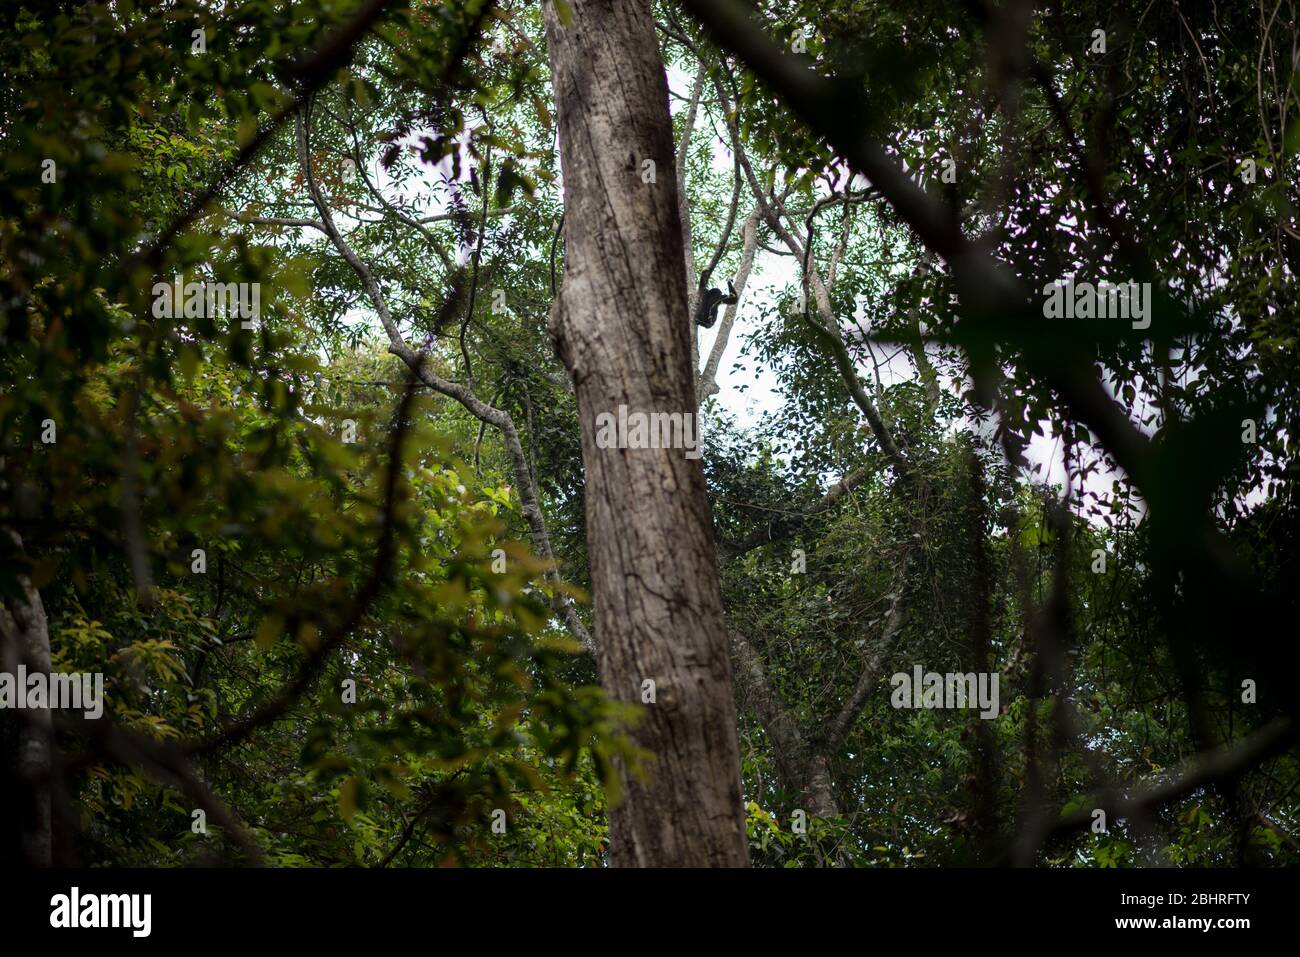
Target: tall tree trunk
point(25, 640)
point(620, 327)
point(984, 782)
point(802, 767)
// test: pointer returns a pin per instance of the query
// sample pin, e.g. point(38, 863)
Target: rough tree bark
point(25, 640)
point(621, 329)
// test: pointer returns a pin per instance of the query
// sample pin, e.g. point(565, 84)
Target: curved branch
point(707, 383)
point(497, 418)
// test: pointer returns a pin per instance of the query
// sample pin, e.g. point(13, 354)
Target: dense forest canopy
point(793, 433)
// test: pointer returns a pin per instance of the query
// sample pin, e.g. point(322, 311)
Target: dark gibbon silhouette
point(706, 310)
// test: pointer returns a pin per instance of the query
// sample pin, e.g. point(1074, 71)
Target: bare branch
point(707, 383)
point(497, 418)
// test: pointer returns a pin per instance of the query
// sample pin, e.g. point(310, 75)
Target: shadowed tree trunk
point(621, 328)
point(25, 640)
